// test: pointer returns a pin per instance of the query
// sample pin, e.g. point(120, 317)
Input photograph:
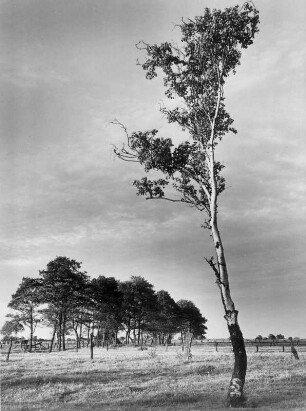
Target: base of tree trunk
point(235, 397)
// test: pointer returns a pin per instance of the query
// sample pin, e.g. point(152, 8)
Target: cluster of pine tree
point(70, 302)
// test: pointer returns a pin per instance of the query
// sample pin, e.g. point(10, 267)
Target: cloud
point(30, 76)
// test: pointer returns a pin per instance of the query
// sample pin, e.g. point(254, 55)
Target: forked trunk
point(235, 397)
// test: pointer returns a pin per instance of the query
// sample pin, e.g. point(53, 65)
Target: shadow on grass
point(162, 401)
point(80, 378)
point(94, 376)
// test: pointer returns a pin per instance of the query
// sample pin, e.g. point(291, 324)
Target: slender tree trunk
point(80, 333)
point(31, 329)
point(88, 336)
point(134, 335)
point(77, 337)
point(52, 339)
point(9, 350)
point(138, 333)
point(59, 331)
point(64, 332)
point(91, 345)
point(235, 396)
point(103, 337)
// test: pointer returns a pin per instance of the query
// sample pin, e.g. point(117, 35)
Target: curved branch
point(182, 200)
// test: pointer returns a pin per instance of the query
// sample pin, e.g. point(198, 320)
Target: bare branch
point(141, 45)
point(165, 198)
point(118, 123)
point(182, 200)
point(213, 266)
point(123, 153)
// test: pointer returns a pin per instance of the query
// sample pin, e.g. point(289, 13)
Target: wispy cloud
point(30, 76)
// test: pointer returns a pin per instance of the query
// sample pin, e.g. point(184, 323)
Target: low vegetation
point(159, 378)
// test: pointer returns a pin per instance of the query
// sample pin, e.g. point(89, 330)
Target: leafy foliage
point(106, 303)
point(25, 302)
point(63, 289)
point(13, 326)
point(195, 72)
point(191, 319)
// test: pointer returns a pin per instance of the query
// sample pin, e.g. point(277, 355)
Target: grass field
point(129, 379)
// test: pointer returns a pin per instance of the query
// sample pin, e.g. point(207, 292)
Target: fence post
point(216, 346)
point(256, 348)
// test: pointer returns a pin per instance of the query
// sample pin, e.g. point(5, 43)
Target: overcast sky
point(68, 68)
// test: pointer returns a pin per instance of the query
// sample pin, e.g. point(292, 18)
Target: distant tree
point(191, 319)
point(280, 337)
point(271, 337)
point(138, 303)
point(25, 301)
point(166, 320)
point(258, 338)
point(195, 71)
point(10, 327)
point(63, 289)
point(106, 299)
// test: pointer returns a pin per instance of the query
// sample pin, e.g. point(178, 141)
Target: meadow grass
point(130, 379)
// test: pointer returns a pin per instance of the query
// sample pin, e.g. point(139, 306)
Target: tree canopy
point(195, 72)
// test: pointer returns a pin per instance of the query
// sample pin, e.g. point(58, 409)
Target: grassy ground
point(129, 379)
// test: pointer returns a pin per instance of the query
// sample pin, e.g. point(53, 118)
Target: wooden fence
point(254, 346)
point(208, 345)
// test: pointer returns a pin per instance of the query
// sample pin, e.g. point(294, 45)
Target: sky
point(68, 68)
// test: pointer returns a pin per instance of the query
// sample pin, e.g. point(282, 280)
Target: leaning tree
point(195, 72)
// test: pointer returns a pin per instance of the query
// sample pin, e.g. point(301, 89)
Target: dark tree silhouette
point(25, 302)
point(63, 287)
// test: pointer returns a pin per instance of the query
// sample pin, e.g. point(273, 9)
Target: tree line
point(68, 301)
point(273, 337)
